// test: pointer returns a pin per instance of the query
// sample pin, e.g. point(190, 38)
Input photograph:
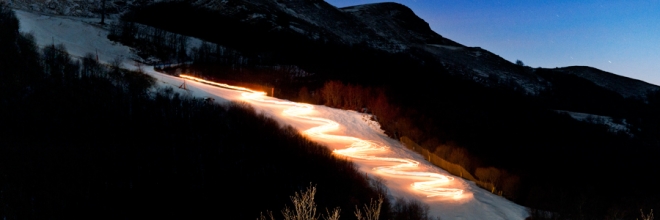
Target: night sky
point(621, 37)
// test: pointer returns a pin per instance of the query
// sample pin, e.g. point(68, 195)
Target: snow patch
point(297, 29)
point(614, 126)
point(446, 47)
point(256, 15)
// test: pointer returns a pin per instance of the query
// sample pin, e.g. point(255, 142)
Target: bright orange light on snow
point(358, 149)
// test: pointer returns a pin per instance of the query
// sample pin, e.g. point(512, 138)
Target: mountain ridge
point(386, 26)
point(626, 86)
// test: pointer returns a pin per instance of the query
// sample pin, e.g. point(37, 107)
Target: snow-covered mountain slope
point(474, 203)
point(78, 36)
point(80, 8)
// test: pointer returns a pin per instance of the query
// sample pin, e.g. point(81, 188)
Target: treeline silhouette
point(82, 139)
point(151, 42)
point(517, 144)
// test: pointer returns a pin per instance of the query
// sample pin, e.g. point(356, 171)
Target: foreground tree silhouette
point(647, 217)
point(304, 208)
point(371, 212)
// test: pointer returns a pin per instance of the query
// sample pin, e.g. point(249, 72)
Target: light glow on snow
point(357, 149)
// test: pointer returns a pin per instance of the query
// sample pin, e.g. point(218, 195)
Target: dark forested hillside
point(84, 140)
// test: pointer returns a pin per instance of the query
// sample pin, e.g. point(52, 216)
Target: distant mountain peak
point(397, 23)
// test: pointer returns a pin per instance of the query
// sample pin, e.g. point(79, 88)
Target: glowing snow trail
point(358, 148)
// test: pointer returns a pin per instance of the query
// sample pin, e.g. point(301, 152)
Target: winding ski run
point(358, 148)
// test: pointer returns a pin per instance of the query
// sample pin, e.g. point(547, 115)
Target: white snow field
point(446, 199)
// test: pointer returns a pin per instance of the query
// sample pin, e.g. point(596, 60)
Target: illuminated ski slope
point(343, 131)
point(357, 148)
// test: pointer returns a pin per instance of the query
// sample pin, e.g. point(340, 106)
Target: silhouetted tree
point(103, 12)
point(404, 209)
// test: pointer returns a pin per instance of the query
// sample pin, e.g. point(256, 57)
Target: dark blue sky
point(621, 37)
